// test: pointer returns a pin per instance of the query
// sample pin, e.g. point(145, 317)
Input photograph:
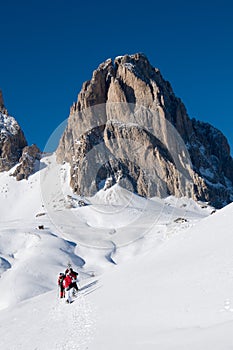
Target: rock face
point(13, 146)
point(27, 162)
point(2, 108)
point(128, 126)
point(12, 140)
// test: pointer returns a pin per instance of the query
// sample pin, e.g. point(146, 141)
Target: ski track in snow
point(52, 324)
point(79, 324)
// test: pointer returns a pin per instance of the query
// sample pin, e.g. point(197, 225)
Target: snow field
point(165, 268)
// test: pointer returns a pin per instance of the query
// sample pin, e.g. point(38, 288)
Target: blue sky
point(49, 48)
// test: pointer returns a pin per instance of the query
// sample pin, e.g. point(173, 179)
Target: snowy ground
point(154, 274)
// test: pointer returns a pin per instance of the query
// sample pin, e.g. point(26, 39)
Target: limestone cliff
point(128, 121)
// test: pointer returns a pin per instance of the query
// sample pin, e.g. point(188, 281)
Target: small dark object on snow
point(81, 203)
point(180, 220)
point(39, 214)
point(41, 227)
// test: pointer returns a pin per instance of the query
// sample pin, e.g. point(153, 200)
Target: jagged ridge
point(14, 148)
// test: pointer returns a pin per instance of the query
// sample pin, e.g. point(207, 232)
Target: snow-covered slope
point(179, 297)
point(155, 274)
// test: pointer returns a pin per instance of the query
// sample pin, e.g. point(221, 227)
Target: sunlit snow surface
point(155, 274)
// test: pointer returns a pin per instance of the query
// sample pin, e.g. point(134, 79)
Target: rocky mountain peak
point(138, 64)
point(2, 107)
point(13, 146)
point(127, 106)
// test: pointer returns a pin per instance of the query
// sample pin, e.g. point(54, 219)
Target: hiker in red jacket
point(67, 286)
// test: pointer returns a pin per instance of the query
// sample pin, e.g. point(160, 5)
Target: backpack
point(61, 278)
point(73, 274)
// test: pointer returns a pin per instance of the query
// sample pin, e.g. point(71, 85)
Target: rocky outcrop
point(2, 107)
point(211, 159)
point(13, 146)
point(12, 140)
point(27, 163)
point(128, 120)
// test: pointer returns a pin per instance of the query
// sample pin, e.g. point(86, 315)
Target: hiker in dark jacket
point(60, 283)
point(73, 274)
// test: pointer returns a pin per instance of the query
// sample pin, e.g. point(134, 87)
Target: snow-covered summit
point(116, 195)
point(8, 124)
point(13, 147)
point(12, 142)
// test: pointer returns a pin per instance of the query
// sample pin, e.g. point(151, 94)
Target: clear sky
point(50, 47)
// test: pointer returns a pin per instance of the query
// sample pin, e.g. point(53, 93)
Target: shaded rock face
point(128, 121)
point(13, 146)
point(27, 162)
